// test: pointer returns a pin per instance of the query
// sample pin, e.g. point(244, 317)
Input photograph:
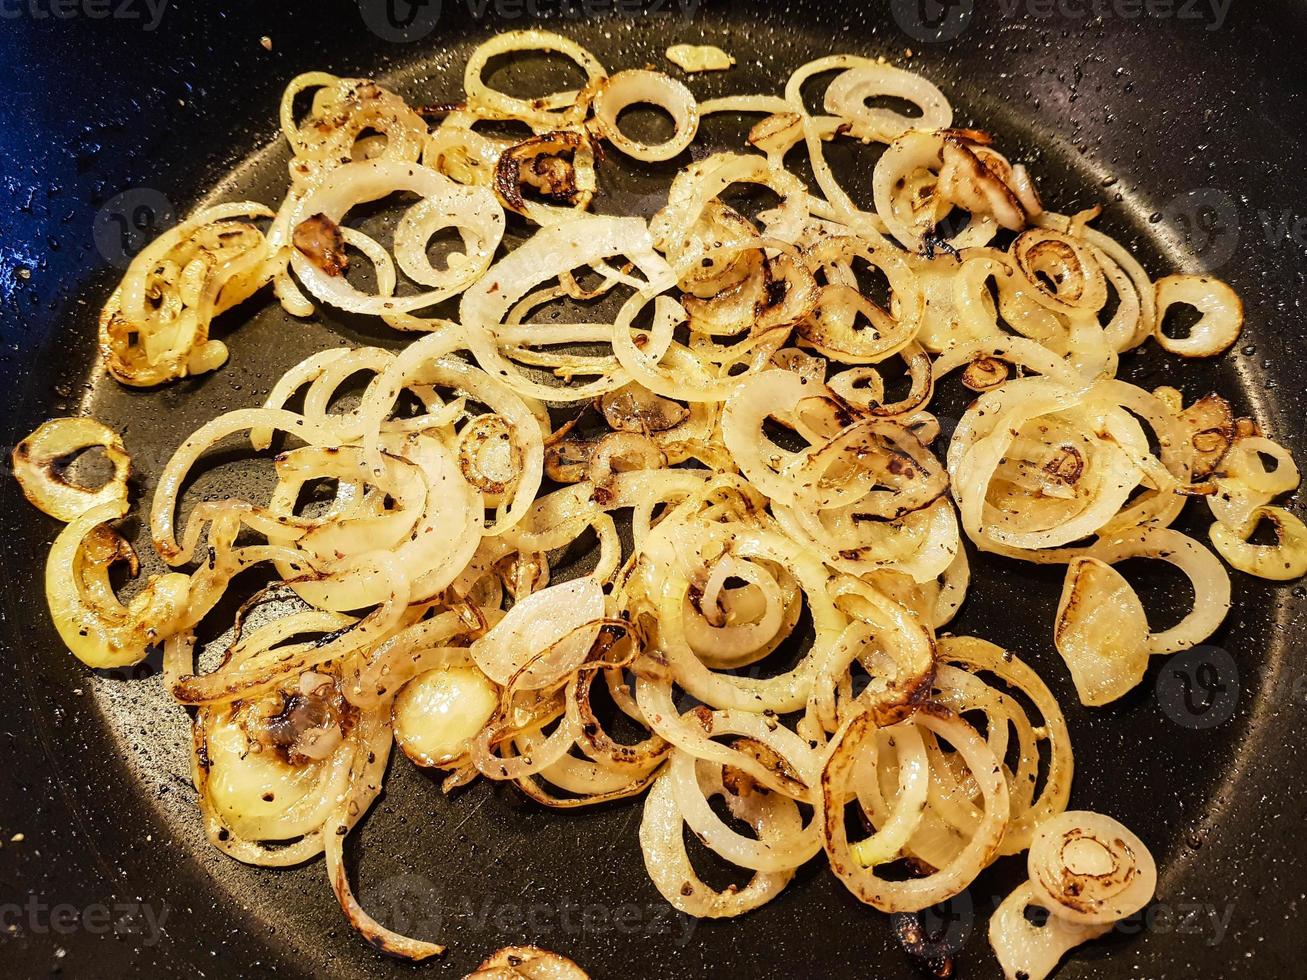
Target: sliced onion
point(757, 585)
point(439, 712)
point(541, 162)
point(1211, 583)
point(99, 630)
point(783, 853)
point(1090, 869)
point(638, 86)
point(1280, 562)
point(516, 962)
point(499, 105)
point(1101, 631)
point(37, 459)
point(1027, 951)
point(155, 326)
point(661, 840)
point(569, 612)
point(473, 211)
point(550, 252)
point(699, 57)
point(918, 893)
point(850, 91)
point(1219, 306)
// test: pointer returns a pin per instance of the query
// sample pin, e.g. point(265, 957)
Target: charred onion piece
point(319, 239)
point(636, 409)
point(559, 165)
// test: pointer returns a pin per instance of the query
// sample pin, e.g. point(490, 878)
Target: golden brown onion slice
point(527, 963)
point(1101, 631)
point(1220, 308)
point(439, 712)
point(37, 460)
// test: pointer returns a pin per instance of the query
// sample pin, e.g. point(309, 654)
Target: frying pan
point(1183, 120)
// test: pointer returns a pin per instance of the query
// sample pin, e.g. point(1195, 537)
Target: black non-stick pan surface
point(1183, 120)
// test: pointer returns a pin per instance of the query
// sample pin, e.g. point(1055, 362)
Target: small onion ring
point(639, 86)
point(1090, 869)
point(1280, 562)
point(36, 459)
point(1221, 309)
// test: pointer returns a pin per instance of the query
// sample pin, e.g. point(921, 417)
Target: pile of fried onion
point(737, 429)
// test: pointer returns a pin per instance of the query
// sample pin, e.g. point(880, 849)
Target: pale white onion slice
point(637, 87)
point(497, 104)
point(1027, 951)
point(1101, 631)
point(777, 855)
point(438, 713)
point(1211, 582)
point(699, 57)
point(1088, 868)
point(472, 210)
point(850, 91)
point(1243, 482)
point(562, 619)
point(1280, 562)
point(916, 893)
point(530, 962)
point(550, 252)
point(260, 795)
point(661, 840)
point(1220, 308)
point(912, 161)
point(99, 630)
